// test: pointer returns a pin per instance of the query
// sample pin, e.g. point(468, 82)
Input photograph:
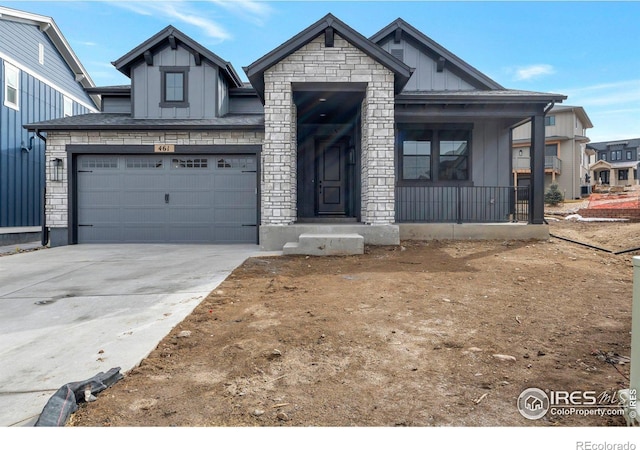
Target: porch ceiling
point(327, 106)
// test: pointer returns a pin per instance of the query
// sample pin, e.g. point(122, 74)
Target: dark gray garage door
point(166, 198)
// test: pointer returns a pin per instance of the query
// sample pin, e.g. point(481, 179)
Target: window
point(144, 163)
point(100, 163)
point(551, 150)
point(602, 156)
point(434, 154)
point(549, 120)
point(11, 86)
point(190, 163)
point(68, 106)
point(629, 155)
point(454, 154)
point(238, 162)
point(174, 87)
point(41, 53)
point(616, 155)
point(623, 174)
point(416, 160)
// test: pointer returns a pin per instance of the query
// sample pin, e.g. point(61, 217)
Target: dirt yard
point(401, 336)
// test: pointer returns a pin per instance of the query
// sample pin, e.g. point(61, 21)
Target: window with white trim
point(68, 106)
point(11, 86)
point(41, 53)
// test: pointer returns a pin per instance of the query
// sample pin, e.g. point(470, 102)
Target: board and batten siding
point(22, 173)
point(425, 77)
point(147, 87)
point(490, 165)
point(116, 105)
point(19, 44)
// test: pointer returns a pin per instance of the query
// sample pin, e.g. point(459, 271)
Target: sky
point(587, 50)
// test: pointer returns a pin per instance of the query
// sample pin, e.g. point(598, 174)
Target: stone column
point(378, 155)
point(278, 153)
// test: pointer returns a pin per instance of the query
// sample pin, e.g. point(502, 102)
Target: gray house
point(41, 79)
point(388, 137)
point(616, 163)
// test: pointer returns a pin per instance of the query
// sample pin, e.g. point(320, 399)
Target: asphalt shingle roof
point(113, 121)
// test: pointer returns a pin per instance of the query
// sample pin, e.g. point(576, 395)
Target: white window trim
point(41, 53)
point(67, 102)
point(25, 69)
point(11, 68)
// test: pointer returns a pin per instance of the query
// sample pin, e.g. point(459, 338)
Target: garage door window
point(190, 163)
point(99, 163)
point(237, 163)
point(144, 163)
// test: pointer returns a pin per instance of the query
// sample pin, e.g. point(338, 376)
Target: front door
point(331, 176)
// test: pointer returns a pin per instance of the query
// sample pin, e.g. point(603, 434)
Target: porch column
point(278, 153)
point(536, 205)
point(378, 152)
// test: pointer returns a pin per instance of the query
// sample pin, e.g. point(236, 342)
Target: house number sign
point(164, 148)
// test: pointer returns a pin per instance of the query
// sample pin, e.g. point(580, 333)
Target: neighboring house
point(334, 133)
point(616, 163)
point(41, 79)
point(566, 158)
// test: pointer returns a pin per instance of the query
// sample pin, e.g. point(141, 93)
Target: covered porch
point(614, 174)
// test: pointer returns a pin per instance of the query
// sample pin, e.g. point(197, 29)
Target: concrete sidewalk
point(71, 312)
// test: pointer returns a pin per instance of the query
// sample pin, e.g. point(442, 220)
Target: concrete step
point(317, 244)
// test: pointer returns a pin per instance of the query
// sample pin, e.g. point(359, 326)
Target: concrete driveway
point(68, 313)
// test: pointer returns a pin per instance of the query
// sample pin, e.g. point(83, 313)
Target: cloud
point(533, 71)
point(198, 13)
point(252, 10)
point(606, 94)
point(180, 11)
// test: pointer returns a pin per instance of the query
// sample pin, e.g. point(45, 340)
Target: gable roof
point(256, 70)
point(171, 36)
point(577, 110)
point(627, 143)
point(476, 77)
point(48, 26)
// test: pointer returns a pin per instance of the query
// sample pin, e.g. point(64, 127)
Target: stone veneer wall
point(57, 207)
point(316, 63)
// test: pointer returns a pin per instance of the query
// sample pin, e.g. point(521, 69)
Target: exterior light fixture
point(56, 169)
point(520, 152)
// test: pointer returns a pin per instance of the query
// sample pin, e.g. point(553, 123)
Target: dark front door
point(331, 186)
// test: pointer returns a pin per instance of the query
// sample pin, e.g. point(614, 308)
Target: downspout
point(44, 235)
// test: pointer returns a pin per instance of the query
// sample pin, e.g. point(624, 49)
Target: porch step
point(316, 244)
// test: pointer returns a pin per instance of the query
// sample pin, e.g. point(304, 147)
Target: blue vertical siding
point(22, 174)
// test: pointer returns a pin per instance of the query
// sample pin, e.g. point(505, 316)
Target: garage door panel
point(143, 215)
point(143, 233)
point(232, 234)
point(135, 181)
point(167, 198)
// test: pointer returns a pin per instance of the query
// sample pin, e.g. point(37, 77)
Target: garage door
point(166, 198)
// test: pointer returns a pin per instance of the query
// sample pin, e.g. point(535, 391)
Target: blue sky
point(589, 51)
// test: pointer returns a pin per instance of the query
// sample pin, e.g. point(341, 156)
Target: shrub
point(553, 196)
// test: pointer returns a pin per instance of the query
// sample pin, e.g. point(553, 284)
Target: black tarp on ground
point(65, 401)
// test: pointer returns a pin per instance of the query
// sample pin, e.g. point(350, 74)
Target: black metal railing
point(462, 204)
